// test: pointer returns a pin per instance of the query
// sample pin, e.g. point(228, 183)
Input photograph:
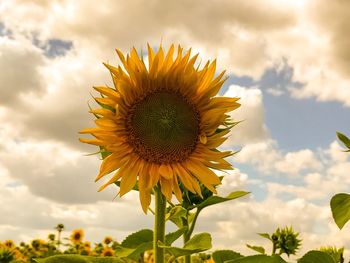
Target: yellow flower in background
point(77, 236)
point(107, 240)
point(107, 252)
point(9, 244)
point(87, 244)
point(162, 123)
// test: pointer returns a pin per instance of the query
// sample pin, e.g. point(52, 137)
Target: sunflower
point(107, 240)
point(162, 123)
point(77, 236)
point(9, 244)
point(107, 252)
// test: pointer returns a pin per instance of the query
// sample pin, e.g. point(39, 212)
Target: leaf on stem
point(212, 200)
point(196, 244)
point(340, 205)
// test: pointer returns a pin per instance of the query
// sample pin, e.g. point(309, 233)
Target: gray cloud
point(332, 17)
point(20, 73)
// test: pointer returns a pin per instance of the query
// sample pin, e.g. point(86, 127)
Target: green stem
point(273, 248)
point(187, 258)
point(190, 231)
point(159, 225)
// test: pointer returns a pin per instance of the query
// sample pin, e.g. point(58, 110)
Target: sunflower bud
point(286, 240)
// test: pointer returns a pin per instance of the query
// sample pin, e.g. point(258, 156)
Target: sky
point(288, 61)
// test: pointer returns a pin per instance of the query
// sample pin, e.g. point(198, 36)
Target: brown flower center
point(163, 127)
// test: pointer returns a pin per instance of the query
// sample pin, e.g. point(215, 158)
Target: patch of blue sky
point(53, 47)
point(296, 123)
point(57, 47)
point(4, 31)
point(13, 184)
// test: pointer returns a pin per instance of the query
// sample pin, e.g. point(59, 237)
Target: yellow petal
point(203, 138)
point(145, 192)
point(92, 141)
point(113, 94)
point(166, 188)
point(177, 190)
point(121, 56)
point(204, 174)
point(154, 175)
point(106, 101)
point(102, 112)
point(187, 179)
point(111, 163)
point(145, 199)
point(114, 179)
point(166, 171)
point(128, 180)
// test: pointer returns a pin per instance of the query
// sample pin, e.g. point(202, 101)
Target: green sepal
point(103, 105)
point(258, 249)
point(316, 256)
point(340, 205)
point(135, 187)
point(198, 243)
point(220, 256)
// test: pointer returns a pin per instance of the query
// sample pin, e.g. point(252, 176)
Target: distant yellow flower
point(9, 244)
point(107, 240)
point(77, 236)
point(162, 124)
point(87, 244)
point(107, 252)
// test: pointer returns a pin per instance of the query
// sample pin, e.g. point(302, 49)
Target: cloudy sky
point(289, 61)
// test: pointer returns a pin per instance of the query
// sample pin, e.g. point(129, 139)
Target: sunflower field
point(158, 132)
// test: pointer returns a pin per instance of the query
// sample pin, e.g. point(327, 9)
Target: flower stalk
point(159, 225)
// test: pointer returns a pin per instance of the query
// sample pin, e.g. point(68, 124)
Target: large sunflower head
point(162, 123)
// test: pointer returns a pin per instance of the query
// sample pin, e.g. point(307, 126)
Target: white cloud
point(294, 162)
point(20, 65)
point(251, 113)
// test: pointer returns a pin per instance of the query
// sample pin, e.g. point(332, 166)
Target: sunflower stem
point(186, 236)
point(159, 225)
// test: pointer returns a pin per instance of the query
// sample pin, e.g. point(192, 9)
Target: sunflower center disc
point(163, 128)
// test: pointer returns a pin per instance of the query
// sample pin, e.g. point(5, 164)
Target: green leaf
point(135, 244)
point(259, 259)
point(133, 253)
point(138, 238)
point(78, 259)
point(196, 244)
point(212, 200)
point(340, 205)
point(176, 212)
point(344, 140)
point(265, 235)
point(260, 250)
point(220, 256)
point(173, 236)
point(316, 256)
